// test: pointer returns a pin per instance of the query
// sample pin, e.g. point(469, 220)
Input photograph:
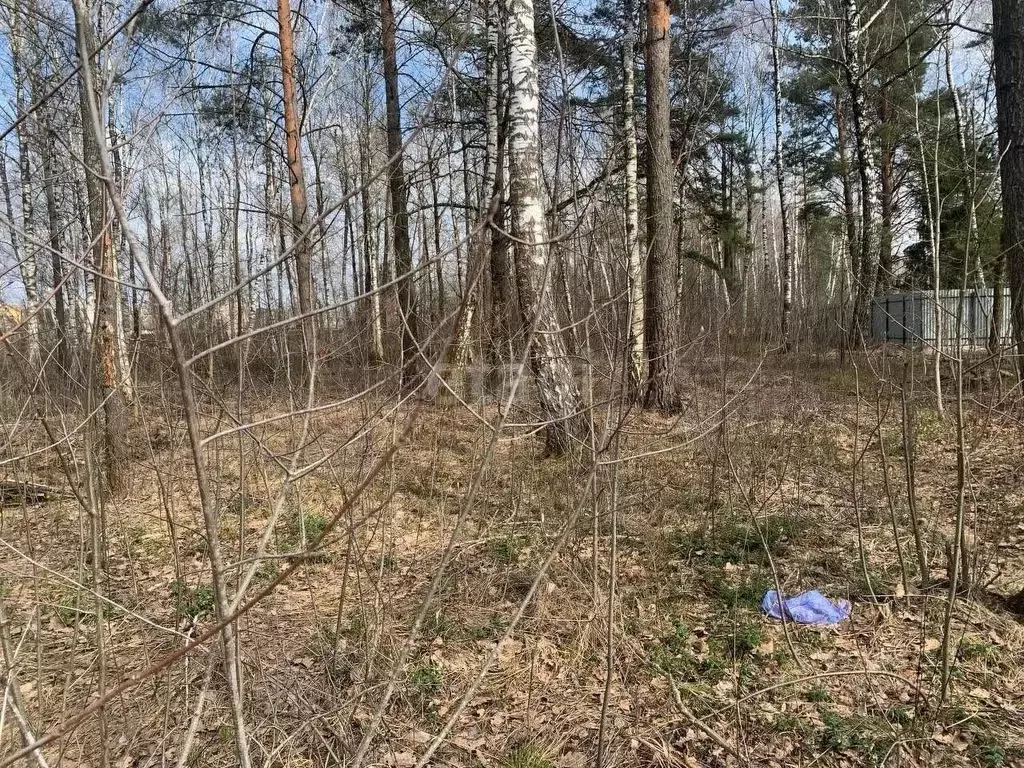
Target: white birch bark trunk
point(634, 274)
point(370, 263)
point(861, 327)
point(557, 389)
point(126, 382)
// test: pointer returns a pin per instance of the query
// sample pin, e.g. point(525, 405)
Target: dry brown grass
point(690, 575)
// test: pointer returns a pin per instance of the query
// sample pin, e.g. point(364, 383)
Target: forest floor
point(772, 474)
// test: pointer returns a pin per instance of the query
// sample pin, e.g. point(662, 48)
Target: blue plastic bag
point(809, 607)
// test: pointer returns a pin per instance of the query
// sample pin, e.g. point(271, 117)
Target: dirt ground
point(773, 475)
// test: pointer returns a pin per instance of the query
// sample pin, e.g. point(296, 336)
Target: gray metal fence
point(910, 318)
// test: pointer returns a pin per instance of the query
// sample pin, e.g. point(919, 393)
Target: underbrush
point(702, 532)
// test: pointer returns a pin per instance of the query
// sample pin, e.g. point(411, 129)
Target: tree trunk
point(370, 272)
point(57, 266)
point(995, 325)
point(115, 410)
point(860, 329)
point(1008, 39)
point(125, 382)
point(559, 394)
point(27, 261)
point(399, 202)
point(500, 280)
point(434, 164)
point(477, 247)
point(326, 283)
point(634, 260)
point(296, 178)
point(780, 181)
point(887, 201)
point(849, 209)
point(931, 211)
point(973, 261)
point(660, 326)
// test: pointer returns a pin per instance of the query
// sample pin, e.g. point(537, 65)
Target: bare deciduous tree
point(559, 394)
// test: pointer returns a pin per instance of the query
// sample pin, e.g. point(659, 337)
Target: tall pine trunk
point(557, 390)
point(1008, 40)
point(660, 325)
point(296, 178)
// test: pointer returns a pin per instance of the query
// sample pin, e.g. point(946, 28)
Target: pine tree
point(661, 333)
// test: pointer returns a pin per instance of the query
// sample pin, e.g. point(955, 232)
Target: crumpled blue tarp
point(809, 607)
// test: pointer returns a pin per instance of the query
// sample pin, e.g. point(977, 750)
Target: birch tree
point(854, 26)
point(634, 262)
point(561, 403)
point(780, 181)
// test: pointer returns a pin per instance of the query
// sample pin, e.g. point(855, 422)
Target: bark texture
point(868, 272)
point(660, 327)
point(106, 291)
point(500, 280)
point(634, 260)
point(557, 390)
point(399, 201)
point(977, 270)
point(296, 176)
point(780, 182)
point(28, 256)
point(1008, 60)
